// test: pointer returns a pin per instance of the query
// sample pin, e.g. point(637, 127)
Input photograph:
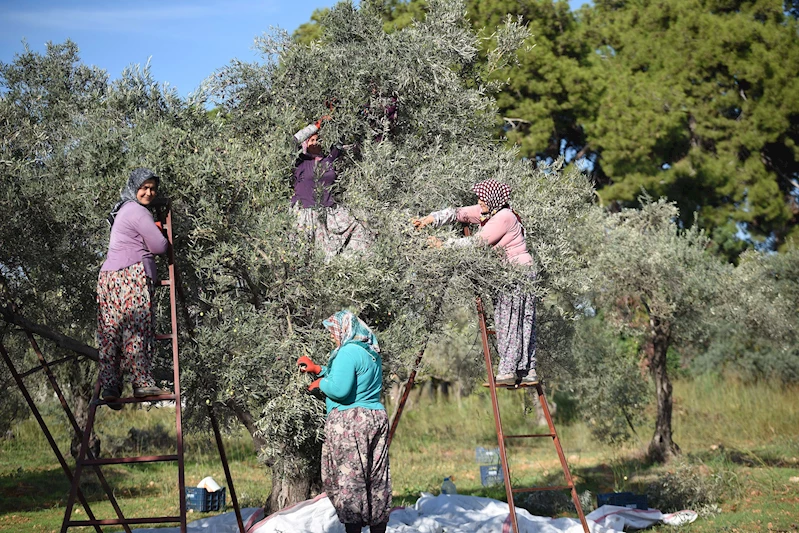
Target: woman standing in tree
point(328, 224)
point(514, 311)
point(125, 317)
point(355, 470)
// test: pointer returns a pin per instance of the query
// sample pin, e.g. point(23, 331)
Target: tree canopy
point(256, 288)
point(691, 100)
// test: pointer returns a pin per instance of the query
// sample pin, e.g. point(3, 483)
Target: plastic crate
point(623, 499)
point(491, 475)
point(486, 456)
point(201, 500)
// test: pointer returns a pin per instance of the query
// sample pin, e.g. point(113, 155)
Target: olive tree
point(255, 288)
point(661, 282)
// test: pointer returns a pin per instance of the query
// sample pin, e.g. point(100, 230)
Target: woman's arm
point(490, 234)
point(339, 383)
point(154, 240)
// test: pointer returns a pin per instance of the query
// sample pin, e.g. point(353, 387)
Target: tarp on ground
point(453, 513)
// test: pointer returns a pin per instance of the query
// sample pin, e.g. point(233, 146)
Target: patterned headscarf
point(128, 194)
point(346, 327)
point(495, 194)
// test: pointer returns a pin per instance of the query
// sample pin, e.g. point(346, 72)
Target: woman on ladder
point(514, 310)
point(355, 470)
point(125, 286)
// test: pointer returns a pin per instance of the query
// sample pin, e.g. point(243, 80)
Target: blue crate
point(201, 500)
point(623, 499)
point(491, 475)
point(486, 456)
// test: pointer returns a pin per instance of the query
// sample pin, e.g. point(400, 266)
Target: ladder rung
point(537, 489)
point(491, 331)
point(532, 436)
point(121, 521)
point(133, 399)
point(49, 364)
point(165, 282)
point(126, 460)
point(164, 336)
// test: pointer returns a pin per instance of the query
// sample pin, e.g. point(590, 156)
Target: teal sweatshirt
point(353, 378)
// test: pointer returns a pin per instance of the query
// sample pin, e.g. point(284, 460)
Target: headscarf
point(346, 327)
point(128, 193)
point(496, 195)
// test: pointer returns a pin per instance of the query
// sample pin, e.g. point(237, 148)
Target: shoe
point(150, 390)
point(505, 379)
point(531, 378)
point(111, 394)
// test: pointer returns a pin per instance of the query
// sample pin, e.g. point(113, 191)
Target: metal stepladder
point(501, 437)
point(85, 459)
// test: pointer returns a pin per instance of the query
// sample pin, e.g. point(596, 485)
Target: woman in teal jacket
point(355, 470)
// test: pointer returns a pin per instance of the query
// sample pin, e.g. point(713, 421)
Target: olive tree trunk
point(662, 446)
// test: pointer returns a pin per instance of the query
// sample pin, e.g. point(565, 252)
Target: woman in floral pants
point(125, 318)
point(355, 469)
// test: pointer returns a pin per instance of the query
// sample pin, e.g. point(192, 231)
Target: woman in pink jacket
point(514, 311)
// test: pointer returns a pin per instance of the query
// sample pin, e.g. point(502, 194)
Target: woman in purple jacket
point(125, 316)
point(329, 225)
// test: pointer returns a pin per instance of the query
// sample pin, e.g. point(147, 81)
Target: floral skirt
point(333, 229)
point(355, 470)
point(514, 320)
point(125, 326)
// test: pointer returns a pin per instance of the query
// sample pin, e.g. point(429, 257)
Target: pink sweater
point(502, 230)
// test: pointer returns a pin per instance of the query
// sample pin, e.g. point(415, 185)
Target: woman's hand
point(306, 365)
point(422, 222)
point(434, 242)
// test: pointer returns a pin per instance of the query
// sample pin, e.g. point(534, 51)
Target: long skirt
point(514, 320)
point(125, 326)
point(333, 229)
point(355, 470)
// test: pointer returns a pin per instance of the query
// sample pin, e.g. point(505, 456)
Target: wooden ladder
point(502, 438)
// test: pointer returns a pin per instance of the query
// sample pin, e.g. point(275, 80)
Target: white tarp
point(454, 513)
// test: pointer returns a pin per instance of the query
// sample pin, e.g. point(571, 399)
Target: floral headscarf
point(346, 327)
point(128, 194)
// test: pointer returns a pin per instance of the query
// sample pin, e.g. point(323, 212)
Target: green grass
point(739, 443)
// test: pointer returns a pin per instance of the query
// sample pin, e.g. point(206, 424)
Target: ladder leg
point(75, 427)
point(176, 370)
point(84, 447)
point(566, 472)
point(492, 387)
point(43, 426)
point(228, 477)
point(404, 398)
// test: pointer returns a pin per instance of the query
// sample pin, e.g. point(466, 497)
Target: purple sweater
point(310, 190)
point(134, 238)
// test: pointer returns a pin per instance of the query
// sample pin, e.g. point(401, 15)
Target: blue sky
point(184, 41)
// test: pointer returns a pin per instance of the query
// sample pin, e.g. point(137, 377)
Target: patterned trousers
point(125, 326)
point(355, 470)
point(514, 320)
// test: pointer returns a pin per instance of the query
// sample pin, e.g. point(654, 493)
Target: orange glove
point(306, 365)
point(318, 123)
point(314, 385)
point(159, 225)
